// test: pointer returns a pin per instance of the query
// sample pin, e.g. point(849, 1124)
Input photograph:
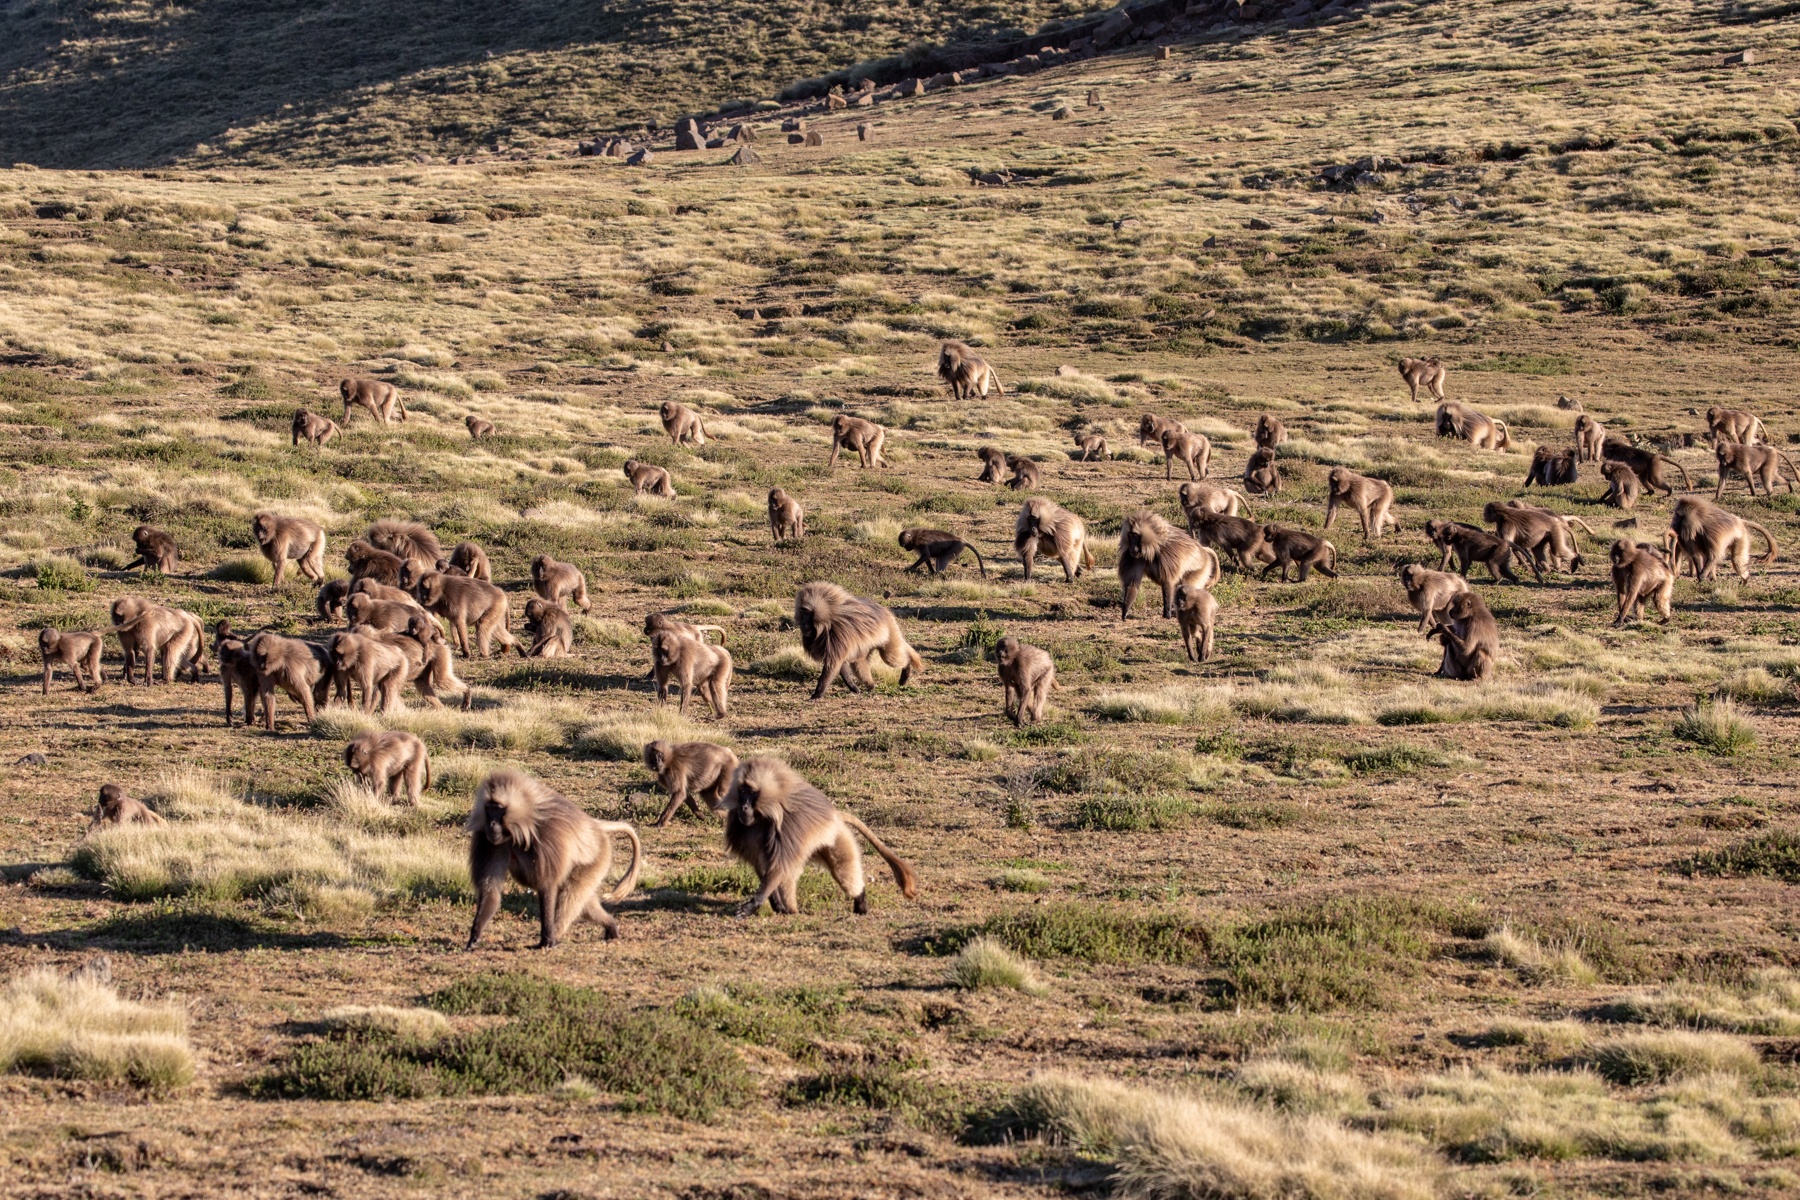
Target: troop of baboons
point(408, 609)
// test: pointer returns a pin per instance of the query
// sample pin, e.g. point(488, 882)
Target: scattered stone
point(813, 139)
point(640, 158)
point(587, 149)
point(834, 102)
point(687, 135)
point(741, 133)
point(744, 157)
point(991, 178)
point(794, 125)
point(796, 139)
point(1093, 100)
point(34, 759)
point(1210, 242)
point(668, 348)
point(717, 143)
point(1062, 114)
point(1164, 53)
point(864, 99)
point(1258, 223)
point(913, 87)
point(941, 80)
point(1743, 58)
point(865, 132)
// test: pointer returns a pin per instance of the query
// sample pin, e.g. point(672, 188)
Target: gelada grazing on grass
point(522, 830)
point(777, 823)
point(937, 549)
point(116, 808)
point(842, 632)
point(1027, 676)
point(690, 772)
point(393, 762)
point(155, 550)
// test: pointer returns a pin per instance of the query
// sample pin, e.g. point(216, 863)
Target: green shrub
point(61, 575)
point(1775, 853)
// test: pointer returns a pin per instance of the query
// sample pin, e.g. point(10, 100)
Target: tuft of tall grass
point(622, 736)
point(986, 963)
point(1657, 1057)
point(77, 1027)
point(1768, 1004)
point(1716, 726)
point(243, 568)
point(415, 1024)
point(1535, 962)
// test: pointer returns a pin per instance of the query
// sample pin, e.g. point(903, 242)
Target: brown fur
point(993, 464)
point(554, 580)
point(1191, 450)
point(387, 616)
point(331, 598)
point(1044, 524)
point(155, 550)
point(304, 670)
point(389, 762)
point(1152, 427)
point(786, 518)
point(1196, 609)
point(690, 772)
point(77, 650)
point(966, 373)
point(369, 562)
point(1646, 463)
point(1472, 545)
point(1547, 536)
point(1300, 549)
point(1427, 373)
point(115, 808)
point(656, 623)
point(1150, 547)
point(432, 666)
point(152, 630)
point(842, 632)
point(315, 429)
point(1736, 425)
point(682, 424)
point(520, 828)
point(1623, 485)
point(1757, 464)
point(937, 549)
point(1261, 476)
point(237, 668)
point(1027, 675)
point(777, 823)
point(381, 399)
point(864, 437)
point(282, 538)
point(1203, 497)
point(1710, 535)
point(1373, 500)
point(410, 541)
point(1269, 432)
point(479, 427)
point(1590, 436)
point(1238, 537)
point(1428, 590)
point(472, 561)
point(1470, 635)
point(1639, 574)
point(1093, 447)
point(552, 634)
point(1550, 468)
point(377, 590)
point(461, 600)
point(1025, 474)
point(1477, 429)
point(362, 660)
point(647, 477)
point(692, 664)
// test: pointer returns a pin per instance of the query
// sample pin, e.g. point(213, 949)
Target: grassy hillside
point(132, 85)
point(1299, 921)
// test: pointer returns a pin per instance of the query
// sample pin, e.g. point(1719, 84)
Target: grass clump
point(1767, 1005)
point(621, 737)
point(243, 568)
point(793, 1020)
point(59, 574)
point(519, 723)
point(1023, 879)
point(1122, 812)
point(1170, 1145)
point(785, 662)
point(1536, 962)
point(77, 1027)
point(648, 1059)
point(1775, 853)
point(1642, 1058)
point(985, 963)
point(416, 1024)
point(1716, 727)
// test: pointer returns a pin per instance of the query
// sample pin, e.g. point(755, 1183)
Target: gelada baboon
point(315, 429)
point(682, 424)
point(378, 667)
point(1428, 590)
point(993, 464)
point(1373, 500)
point(1757, 464)
point(1710, 535)
point(842, 632)
point(1269, 432)
point(386, 616)
point(1152, 427)
point(368, 562)
point(520, 828)
point(864, 437)
point(479, 427)
point(410, 541)
point(432, 666)
point(237, 669)
point(656, 623)
point(1238, 537)
point(376, 590)
point(692, 664)
point(331, 598)
point(282, 538)
point(1736, 425)
point(1046, 525)
point(472, 561)
point(153, 630)
point(777, 823)
point(381, 399)
point(1027, 674)
point(786, 518)
point(1589, 438)
point(1286, 547)
point(937, 549)
point(1546, 536)
point(155, 550)
point(552, 634)
point(1623, 487)
point(1427, 373)
point(1646, 463)
point(76, 649)
point(1025, 474)
point(1191, 450)
point(1472, 545)
point(646, 477)
point(1479, 430)
point(1195, 612)
point(1470, 635)
point(1204, 497)
point(304, 670)
point(967, 374)
point(1150, 547)
point(461, 600)
point(1639, 574)
point(554, 580)
point(1261, 476)
point(690, 772)
point(1551, 468)
point(389, 762)
point(116, 808)
point(1093, 447)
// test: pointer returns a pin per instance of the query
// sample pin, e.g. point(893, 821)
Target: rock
point(587, 149)
point(687, 135)
point(991, 178)
point(1210, 242)
point(1062, 114)
point(741, 133)
point(796, 139)
point(1113, 28)
point(34, 759)
point(864, 99)
point(835, 101)
point(913, 87)
point(668, 348)
point(794, 124)
point(715, 143)
point(1067, 372)
point(942, 79)
point(1743, 58)
point(865, 132)
point(744, 157)
point(813, 139)
point(1164, 53)
point(640, 158)
point(1257, 223)
point(1093, 100)
point(1026, 64)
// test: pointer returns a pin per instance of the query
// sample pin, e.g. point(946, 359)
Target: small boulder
point(835, 102)
point(865, 132)
point(741, 133)
point(1164, 53)
point(1093, 99)
point(864, 99)
point(913, 87)
point(744, 157)
point(1062, 114)
point(640, 158)
point(796, 139)
point(687, 135)
point(794, 125)
point(1743, 58)
point(1257, 223)
point(813, 139)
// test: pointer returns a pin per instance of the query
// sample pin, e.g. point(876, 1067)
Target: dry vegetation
point(1300, 921)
